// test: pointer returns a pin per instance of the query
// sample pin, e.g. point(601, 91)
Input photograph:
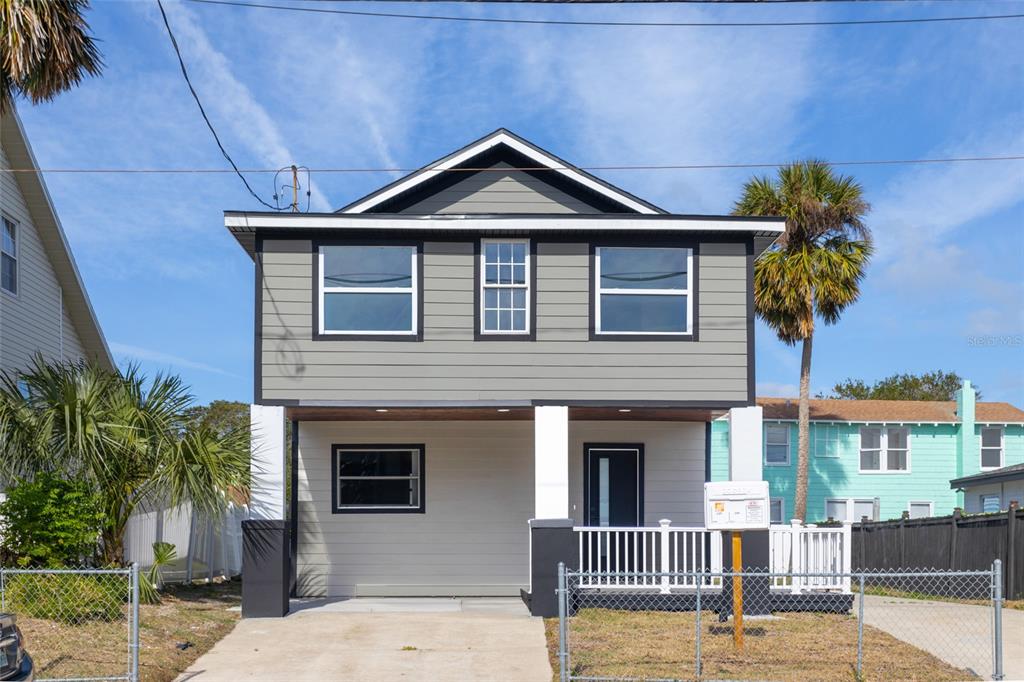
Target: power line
point(637, 2)
point(505, 169)
point(195, 96)
point(567, 22)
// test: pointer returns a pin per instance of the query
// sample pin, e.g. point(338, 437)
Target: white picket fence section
point(650, 550)
point(647, 551)
point(206, 548)
point(796, 548)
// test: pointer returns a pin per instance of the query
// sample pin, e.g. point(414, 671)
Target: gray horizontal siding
point(33, 320)
point(500, 192)
point(473, 537)
point(449, 365)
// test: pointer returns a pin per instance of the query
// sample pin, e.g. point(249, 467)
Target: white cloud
point(771, 389)
point(229, 101)
point(159, 357)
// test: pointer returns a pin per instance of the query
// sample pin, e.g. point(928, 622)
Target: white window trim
point(982, 448)
point(498, 287)
point(782, 507)
point(850, 503)
point(883, 450)
point(416, 458)
point(14, 256)
point(826, 429)
point(931, 506)
point(688, 292)
point(412, 291)
point(789, 447)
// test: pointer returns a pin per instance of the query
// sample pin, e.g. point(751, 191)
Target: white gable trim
point(500, 137)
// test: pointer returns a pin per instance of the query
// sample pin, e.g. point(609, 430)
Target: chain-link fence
point(905, 625)
point(78, 624)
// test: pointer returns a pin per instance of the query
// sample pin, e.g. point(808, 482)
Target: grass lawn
point(794, 646)
point(198, 614)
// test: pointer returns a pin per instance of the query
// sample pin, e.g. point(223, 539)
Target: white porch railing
point(648, 551)
point(796, 548)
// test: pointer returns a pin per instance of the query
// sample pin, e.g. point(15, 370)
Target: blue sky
point(174, 292)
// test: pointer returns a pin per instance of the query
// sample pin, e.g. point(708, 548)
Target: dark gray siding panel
point(449, 365)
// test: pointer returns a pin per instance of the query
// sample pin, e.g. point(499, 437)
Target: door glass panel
point(602, 492)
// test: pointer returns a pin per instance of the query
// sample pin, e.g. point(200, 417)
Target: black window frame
point(343, 336)
point(420, 509)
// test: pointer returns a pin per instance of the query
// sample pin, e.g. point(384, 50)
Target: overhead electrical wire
point(571, 22)
point(637, 167)
point(195, 96)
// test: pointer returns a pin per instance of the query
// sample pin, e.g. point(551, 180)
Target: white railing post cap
point(665, 523)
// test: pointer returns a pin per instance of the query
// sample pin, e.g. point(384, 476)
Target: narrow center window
point(9, 256)
point(505, 287)
point(643, 290)
point(368, 289)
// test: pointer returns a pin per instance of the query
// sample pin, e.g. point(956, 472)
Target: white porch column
point(745, 449)
point(267, 462)
point(551, 462)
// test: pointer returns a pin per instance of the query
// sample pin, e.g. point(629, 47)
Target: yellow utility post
point(737, 589)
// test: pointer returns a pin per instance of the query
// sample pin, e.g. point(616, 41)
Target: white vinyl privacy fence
point(206, 547)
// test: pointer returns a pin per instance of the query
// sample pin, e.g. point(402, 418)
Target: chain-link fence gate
point(896, 625)
point(78, 624)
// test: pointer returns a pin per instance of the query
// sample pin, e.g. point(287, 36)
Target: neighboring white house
point(992, 490)
point(473, 358)
point(44, 307)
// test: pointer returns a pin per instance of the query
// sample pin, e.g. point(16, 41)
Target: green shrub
point(66, 597)
point(49, 522)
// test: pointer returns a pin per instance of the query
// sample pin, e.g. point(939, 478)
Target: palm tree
point(45, 48)
point(129, 437)
point(812, 271)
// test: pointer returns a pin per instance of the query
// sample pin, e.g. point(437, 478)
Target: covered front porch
point(499, 495)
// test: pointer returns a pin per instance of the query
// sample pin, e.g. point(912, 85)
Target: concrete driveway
point(383, 639)
point(960, 634)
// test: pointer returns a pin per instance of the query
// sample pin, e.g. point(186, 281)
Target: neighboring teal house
point(880, 458)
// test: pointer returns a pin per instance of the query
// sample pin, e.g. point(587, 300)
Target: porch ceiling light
point(625, 409)
point(503, 409)
point(380, 409)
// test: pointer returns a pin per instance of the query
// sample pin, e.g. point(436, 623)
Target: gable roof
point(486, 152)
point(51, 234)
point(920, 411)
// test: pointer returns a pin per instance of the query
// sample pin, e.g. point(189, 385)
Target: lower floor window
point(378, 478)
point(850, 510)
point(990, 504)
point(919, 510)
point(778, 510)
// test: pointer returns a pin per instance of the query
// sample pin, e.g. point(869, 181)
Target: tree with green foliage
point(937, 385)
point(126, 436)
point(45, 48)
point(812, 272)
point(220, 416)
point(50, 522)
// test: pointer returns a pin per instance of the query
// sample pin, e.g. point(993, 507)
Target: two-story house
point(882, 458)
point(44, 307)
point(479, 356)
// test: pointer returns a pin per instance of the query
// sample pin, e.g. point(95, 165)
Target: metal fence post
point(563, 644)
point(3, 590)
point(134, 672)
point(860, 631)
point(700, 579)
point(997, 624)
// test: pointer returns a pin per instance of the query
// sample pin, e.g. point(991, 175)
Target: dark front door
point(613, 484)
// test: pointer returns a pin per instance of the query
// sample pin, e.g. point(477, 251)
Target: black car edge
point(15, 663)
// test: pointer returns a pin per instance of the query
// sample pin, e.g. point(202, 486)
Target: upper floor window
point(368, 290)
point(642, 290)
point(505, 287)
point(825, 441)
point(9, 256)
point(991, 447)
point(776, 444)
point(884, 449)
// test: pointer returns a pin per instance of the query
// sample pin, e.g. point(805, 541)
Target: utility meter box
point(736, 505)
